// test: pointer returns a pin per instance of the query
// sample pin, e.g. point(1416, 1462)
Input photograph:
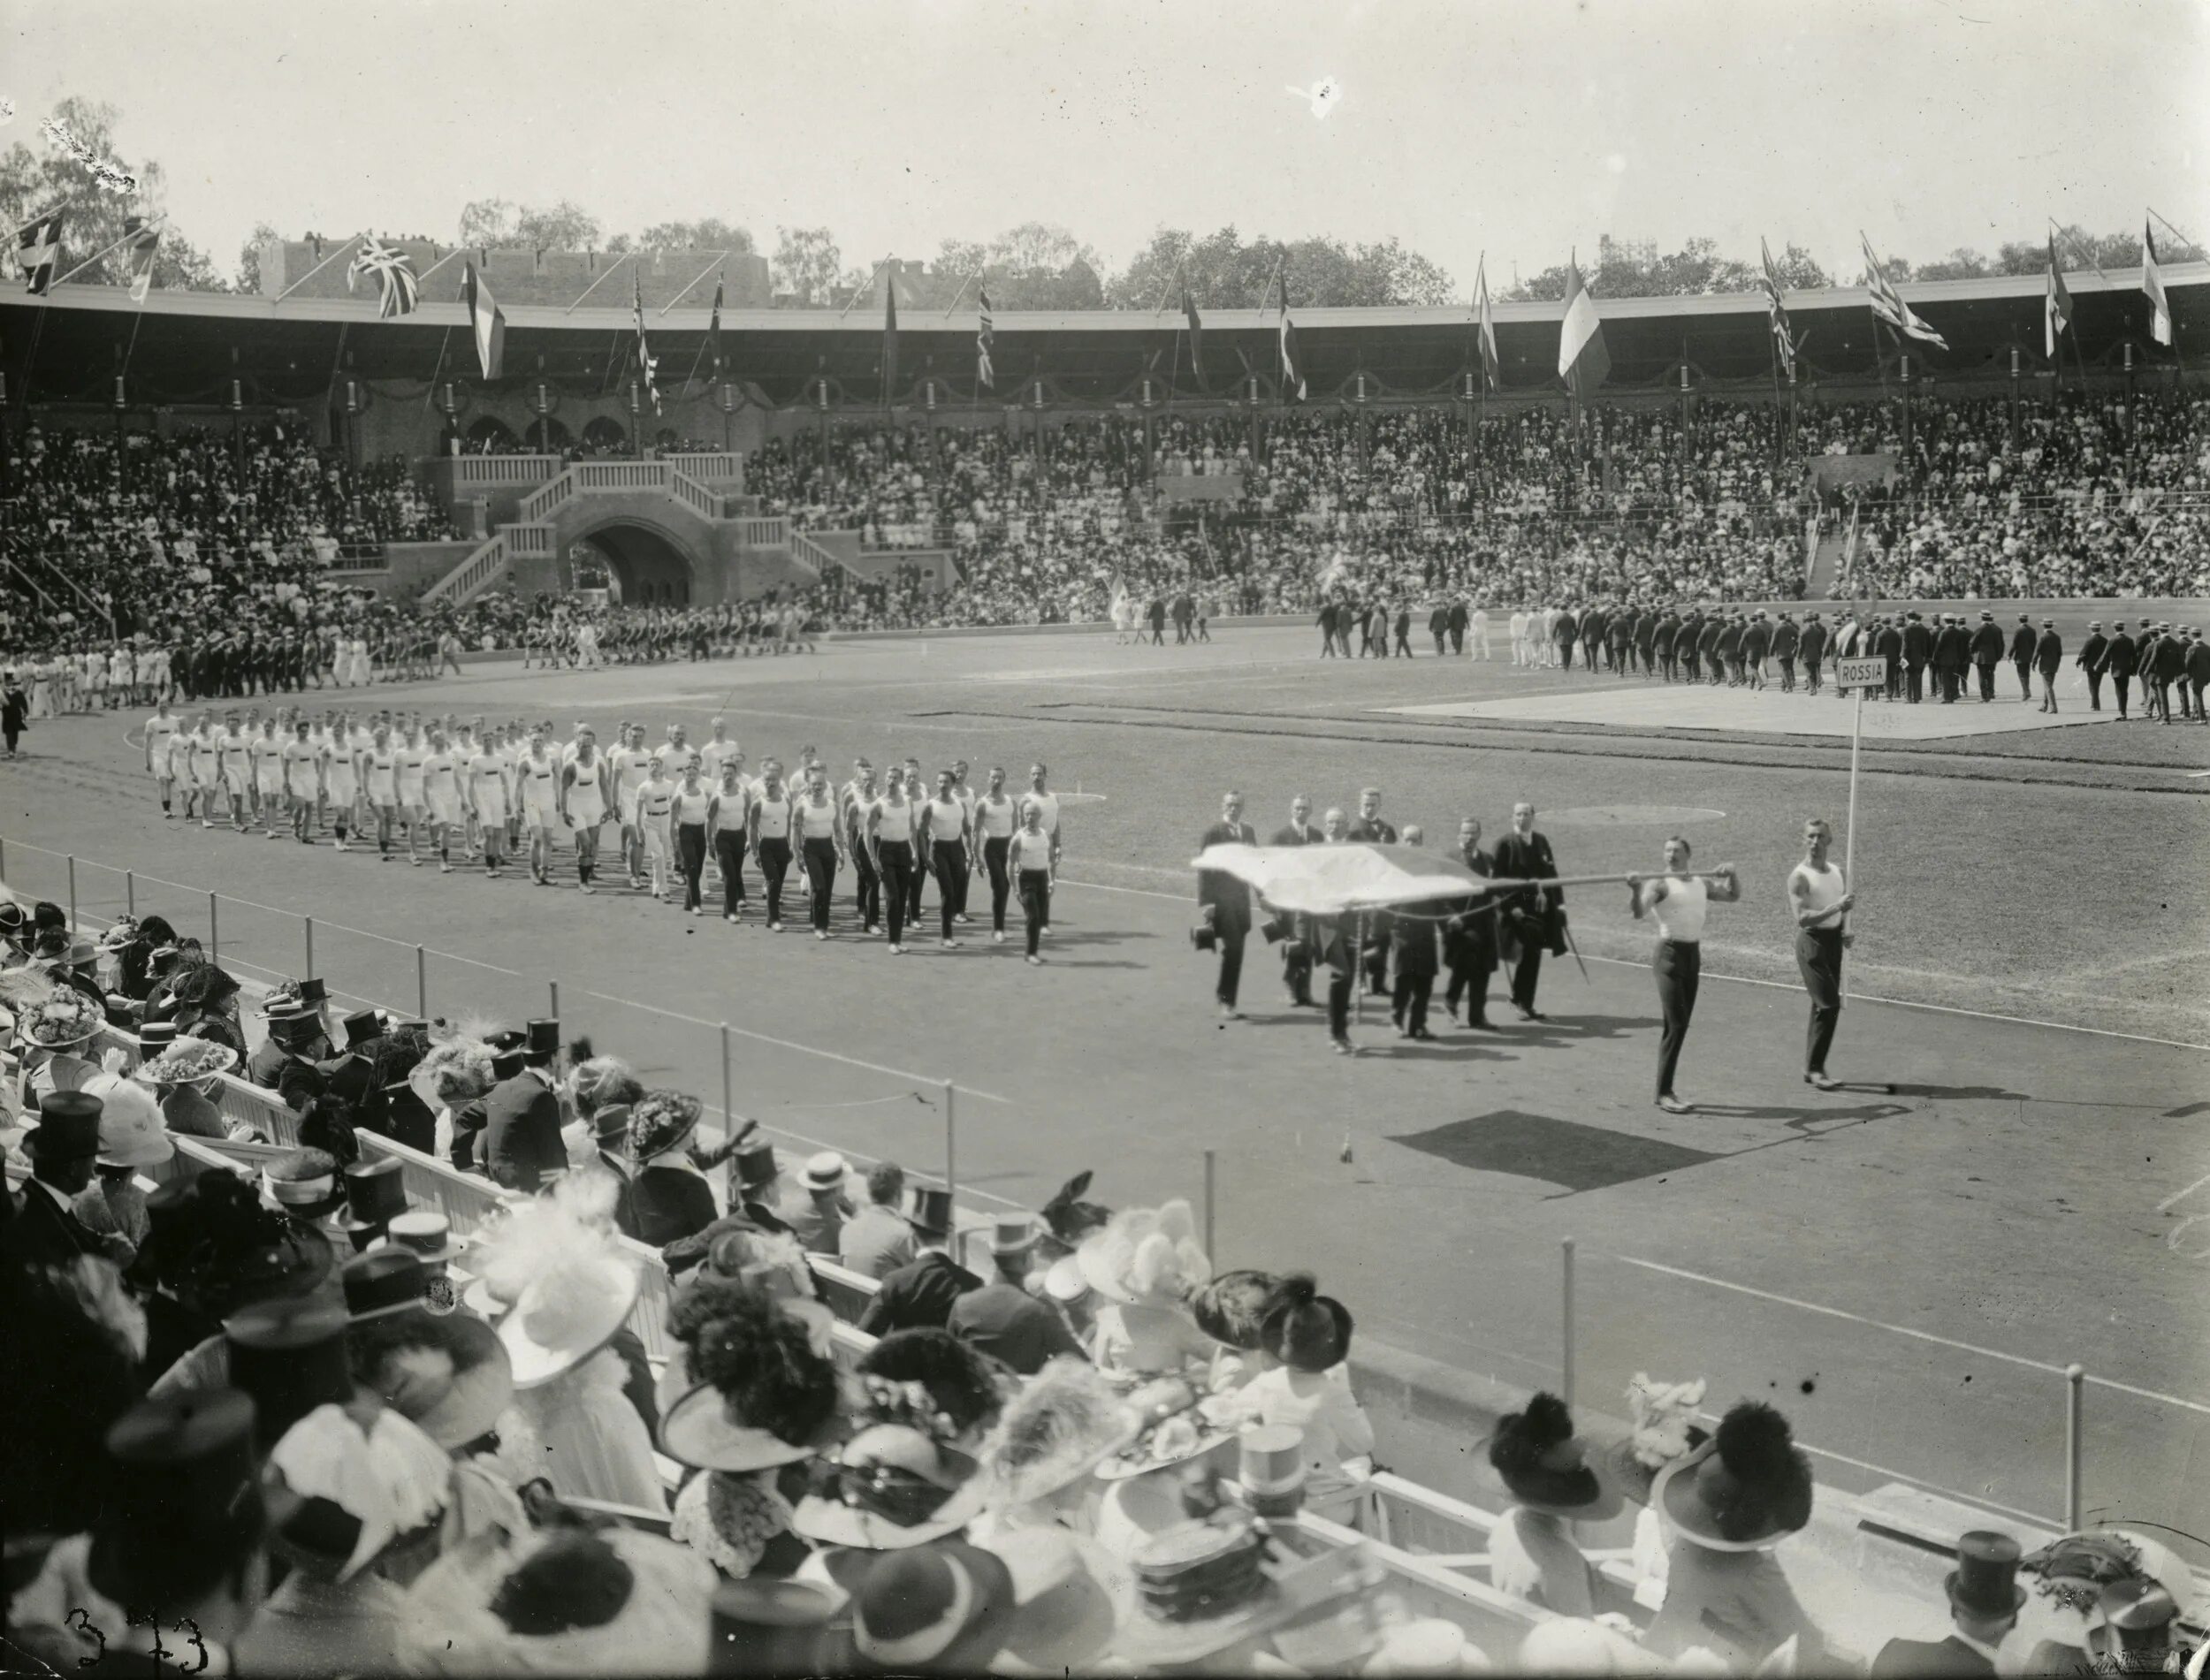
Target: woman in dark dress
point(667, 1197)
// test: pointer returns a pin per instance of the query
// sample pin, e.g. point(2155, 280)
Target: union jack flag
point(1888, 303)
point(1783, 339)
point(394, 274)
point(647, 363)
point(985, 371)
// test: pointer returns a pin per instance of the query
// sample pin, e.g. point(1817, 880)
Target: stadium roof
point(182, 345)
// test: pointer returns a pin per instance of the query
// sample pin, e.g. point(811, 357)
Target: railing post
point(72, 895)
point(1210, 1251)
point(214, 933)
point(1565, 1383)
point(951, 1175)
point(130, 894)
point(309, 972)
point(729, 1095)
point(553, 991)
point(2075, 1377)
point(4, 859)
point(421, 984)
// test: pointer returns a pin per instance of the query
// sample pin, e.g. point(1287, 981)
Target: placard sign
point(1861, 674)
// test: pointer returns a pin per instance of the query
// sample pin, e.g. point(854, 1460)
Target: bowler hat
point(1985, 1581)
point(544, 1038)
point(290, 1356)
point(375, 1191)
point(929, 1210)
point(184, 1508)
point(68, 1127)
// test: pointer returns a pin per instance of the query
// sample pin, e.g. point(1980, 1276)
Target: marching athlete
point(302, 780)
point(654, 811)
point(994, 816)
point(727, 815)
point(858, 797)
point(632, 768)
point(693, 804)
point(379, 785)
point(207, 771)
point(1029, 857)
point(584, 800)
point(821, 821)
point(537, 778)
point(341, 785)
point(942, 840)
point(441, 797)
point(1679, 902)
point(413, 798)
point(889, 832)
point(1822, 900)
point(1047, 804)
point(265, 752)
point(486, 786)
point(769, 824)
point(233, 757)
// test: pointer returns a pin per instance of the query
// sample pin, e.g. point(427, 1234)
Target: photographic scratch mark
point(1323, 96)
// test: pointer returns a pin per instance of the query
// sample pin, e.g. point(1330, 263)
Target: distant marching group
point(495, 792)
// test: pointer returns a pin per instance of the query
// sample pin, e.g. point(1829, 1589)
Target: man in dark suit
point(1296, 952)
point(2093, 652)
point(1619, 632)
point(2198, 671)
point(1458, 622)
point(1002, 1319)
point(1953, 649)
point(1224, 901)
point(2048, 656)
point(1812, 646)
point(1326, 621)
point(1756, 644)
point(1987, 653)
point(1707, 647)
point(1728, 648)
point(1535, 916)
point(1784, 638)
point(1469, 938)
point(1888, 641)
point(1687, 644)
point(1412, 939)
point(1404, 630)
point(1662, 640)
point(61, 1149)
point(919, 1297)
point(2120, 660)
point(1592, 626)
point(1563, 634)
point(1917, 652)
point(2169, 667)
point(1985, 1599)
point(2023, 643)
point(522, 1117)
point(1371, 827)
point(1439, 628)
point(1154, 615)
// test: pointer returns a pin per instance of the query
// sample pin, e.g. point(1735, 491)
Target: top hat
point(507, 1064)
point(544, 1038)
point(184, 1508)
point(928, 1210)
point(755, 1166)
point(361, 1026)
point(312, 991)
point(68, 1127)
point(768, 1627)
point(1014, 1234)
point(382, 1282)
point(1985, 1581)
point(1270, 1466)
point(296, 1031)
point(154, 1036)
point(290, 1356)
point(826, 1171)
point(375, 1191)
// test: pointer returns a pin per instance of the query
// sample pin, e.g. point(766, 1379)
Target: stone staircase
point(550, 516)
point(1830, 548)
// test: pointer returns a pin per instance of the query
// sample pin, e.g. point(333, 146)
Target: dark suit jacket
point(1757, 641)
point(522, 1133)
point(1290, 834)
point(2171, 654)
point(1567, 628)
point(1919, 643)
point(2199, 661)
point(2022, 645)
point(1785, 636)
point(1460, 617)
point(1668, 628)
point(1908, 1657)
point(45, 1232)
point(1012, 1326)
point(1889, 646)
point(1469, 939)
point(2124, 657)
point(918, 1296)
point(2048, 653)
point(1813, 643)
point(1230, 898)
point(1951, 648)
point(1987, 644)
point(2092, 651)
point(1412, 941)
point(1375, 832)
point(1530, 908)
point(664, 1205)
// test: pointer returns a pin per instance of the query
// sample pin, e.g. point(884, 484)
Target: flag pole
point(877, 269)
point(1179, 270)
point(430, 395)
point(959, 297)
point(117, 244)
point(625, 257)
point(2174, 227)
point(439, 264)
point(701, 356)
point(718, 257)
point(317, 269)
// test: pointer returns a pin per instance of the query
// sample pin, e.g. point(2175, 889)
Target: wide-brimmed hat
point(1174, 1424)
point(706, 1429)
point(68, 1127)
point(1066, 1421)
point(890, 1487)
point(214, 1246)
point(944, 1608)
point(660, 1120)
point(184, 1508)
point(131, 1129)
point(1545, 1463)
point(1748, 1488)
point(769, 1627)
point(66, 1018)
point(186, 1062)
point(290, 1356)
point(375, 1192)
point(1152, 1641)
point(444, 1371)
point(423, 1233)
point(1145, 1256)
point(1663, 1415)
point(569, 1313)
point(1064, 1614)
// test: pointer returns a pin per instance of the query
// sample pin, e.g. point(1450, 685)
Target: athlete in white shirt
point(584, 797)
point(1679, 902)
point(160, 729)
point(1046, 802)
point(302, 781)
point(441, 797)
point(379, 786)
point(996, 815)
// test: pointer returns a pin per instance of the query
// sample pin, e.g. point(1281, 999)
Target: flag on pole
point(713, 325)
point(1485, 328)
point(1196, 338)
point(985, 336)
point(485, 321)
point(2056, 304)
point(38, 250)
point(1776, 313)
point(648, 364)
point(394, 275)
point(1888, 303)
point(2153, 283)
point(1293, 362)
point(1583, 363)
point(890, 333)
point(139, 242)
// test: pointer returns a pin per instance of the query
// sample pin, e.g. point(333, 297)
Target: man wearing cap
point(2022, 645)
point(1987, 653)
point(1917, 650)
point(1888, 641)
point(2122, 660)
point(2093, 653)
point(522, 1117)
point(62, 1148)
point(1786, 638)
point(1953, 654)
point(1985, 1599)
point(1002, 1319)
point(2048, 657)
point(920, 1296)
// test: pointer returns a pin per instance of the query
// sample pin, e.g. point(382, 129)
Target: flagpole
point(625, 257)
point(2174, 227)
point(718, 257)
point(877, 269)
point(1180, 268)
point(701, 356)
point(959, 297)
point(145, 227)
point(430, 396)
point(439, 264)
point(317, 269)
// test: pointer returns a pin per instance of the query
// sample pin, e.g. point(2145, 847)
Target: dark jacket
point(1469, 938)
point(1917, 643)
point(45, 1232)
point(1813, 643)
point(1230, 898)
point(918, 1296)
point(2123, 658)
point(1905, 1658)
point(2048, 653)
point(1668, 628)
point(1536, 914)
point(1566, 629)
point(2171, 655)
point(1889, 644)
point(1756, 641)
point(664, 1205)
point(2199, 661)
point(522, 1133)
point(1010, 1324)
point(1411, 938)
point(2023, 643)
point(1290, 834)
point(1784, 638)
point(1951, 648)
point(1987, 644)
point(2092, 651)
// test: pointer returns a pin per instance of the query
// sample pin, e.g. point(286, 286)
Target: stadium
point(958, 1312)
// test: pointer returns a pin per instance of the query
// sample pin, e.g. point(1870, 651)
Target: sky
point(1520, 129)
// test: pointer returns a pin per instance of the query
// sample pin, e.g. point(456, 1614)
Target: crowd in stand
point(284, 1417)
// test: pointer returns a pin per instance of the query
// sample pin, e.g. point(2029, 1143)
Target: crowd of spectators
point(282, 1416)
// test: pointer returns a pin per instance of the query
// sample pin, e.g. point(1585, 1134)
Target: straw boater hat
point(1145, 1257)
point(305, 1184)
point(423, 1233)
point(1745, 1490)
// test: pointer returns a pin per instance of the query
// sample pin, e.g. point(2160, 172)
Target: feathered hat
point(933, 1381)
point(764, 1398)
point(1544, 1464)
point(1745, 1489)
point(1145, 1257)
point(1663, 1433)
point(1066, 1420)
point(1071, 1219)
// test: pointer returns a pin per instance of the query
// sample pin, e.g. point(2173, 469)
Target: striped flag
point(648, 364)
point(1196, 340)
point(2153, 283)
point(1583, 363)
point(2056, 305)
point(1776, 312)
point(1485, 328)
point(713, 325)
point(38, 250)
point(485, 321)
point(394, 275)
point(1888, 303)
point(1293, 362)
point(139, 242)
point(985, 336)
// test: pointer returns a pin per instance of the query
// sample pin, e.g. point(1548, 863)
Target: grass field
point(2025, 1196)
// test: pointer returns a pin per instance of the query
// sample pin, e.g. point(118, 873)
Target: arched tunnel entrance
point(643, 568)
